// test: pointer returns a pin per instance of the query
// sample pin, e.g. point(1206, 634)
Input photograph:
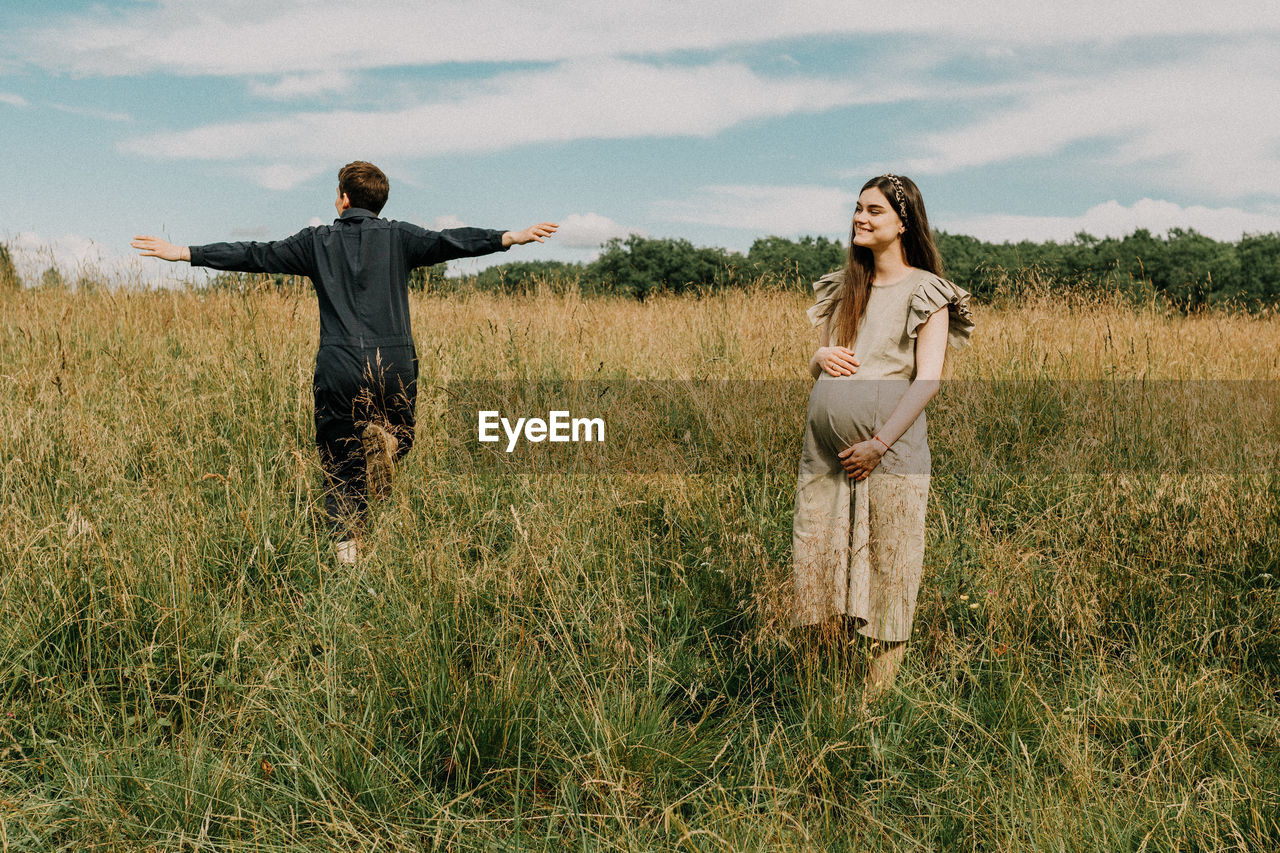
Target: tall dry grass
point(532, 662)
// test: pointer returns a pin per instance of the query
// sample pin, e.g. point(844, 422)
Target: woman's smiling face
point(875, 222)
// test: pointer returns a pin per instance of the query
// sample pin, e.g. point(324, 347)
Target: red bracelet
point(881, 440)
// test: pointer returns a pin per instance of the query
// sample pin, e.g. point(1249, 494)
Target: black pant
point(355, 386)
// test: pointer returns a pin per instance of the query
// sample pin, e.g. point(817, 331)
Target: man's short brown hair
point(365, 185)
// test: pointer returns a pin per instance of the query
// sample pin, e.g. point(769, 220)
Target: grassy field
point(597, 662)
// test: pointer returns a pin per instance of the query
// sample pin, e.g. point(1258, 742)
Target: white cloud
point(1205, 124)
point(1113, 219)
point(89, 112)
point(605, 99)
point(251, 232)
point(448, 220)
point(291, 86)
point(589, 231)
point(280, 176)
point(780, 210)
point(1195, 124)
point(293, 37)
point(1199, 121)
point(792, 211)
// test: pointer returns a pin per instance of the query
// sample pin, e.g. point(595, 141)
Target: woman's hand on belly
point(860, 459)
point(837, 361)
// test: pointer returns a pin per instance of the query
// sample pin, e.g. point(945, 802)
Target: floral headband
point(899, 193)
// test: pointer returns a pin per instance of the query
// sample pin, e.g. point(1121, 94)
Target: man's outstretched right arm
point(292, 255)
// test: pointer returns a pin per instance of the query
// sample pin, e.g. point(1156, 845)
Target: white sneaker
point(347, 551)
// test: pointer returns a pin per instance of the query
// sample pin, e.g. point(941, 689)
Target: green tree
point(638, 266)
point(795, 262)
point(428, 278)
point(1259, 258)
point(525, 276)
point(965, 260)
point(1197, 269)
point(52, 279)
point(9, 279)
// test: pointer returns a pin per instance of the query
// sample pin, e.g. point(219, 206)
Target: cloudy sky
point(720, 122)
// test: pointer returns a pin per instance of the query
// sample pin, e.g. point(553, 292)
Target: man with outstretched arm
point(366, 377)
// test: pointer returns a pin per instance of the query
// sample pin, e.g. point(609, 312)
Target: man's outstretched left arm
point(432, 247)
point(532, 234)
point(155, 247)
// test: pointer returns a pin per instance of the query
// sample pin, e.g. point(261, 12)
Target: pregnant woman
point(858, 536)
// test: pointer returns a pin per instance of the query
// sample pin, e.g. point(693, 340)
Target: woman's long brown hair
point(860, 268)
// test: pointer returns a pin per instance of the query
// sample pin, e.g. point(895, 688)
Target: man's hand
point(532, 234)
point(154, 247)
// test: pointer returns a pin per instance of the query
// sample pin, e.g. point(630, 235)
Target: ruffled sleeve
point(826, 293)
point(932, 295)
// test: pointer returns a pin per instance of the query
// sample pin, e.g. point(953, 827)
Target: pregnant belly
point(846, 410)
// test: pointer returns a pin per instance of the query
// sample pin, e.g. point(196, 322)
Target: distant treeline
point(1184, 268)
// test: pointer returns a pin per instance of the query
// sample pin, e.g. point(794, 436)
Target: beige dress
point(858, 547)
